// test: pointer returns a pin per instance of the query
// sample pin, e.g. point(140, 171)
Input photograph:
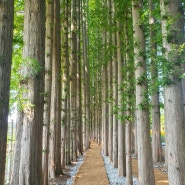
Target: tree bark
point(128, 154)
point(145, 167)
point(6, 35)
point(32, 82)
point(121, 124)
point(47, 90)
point(156, 134)
point(114, 86)
point(55, 112)
point(173, 35)
point(17, 150)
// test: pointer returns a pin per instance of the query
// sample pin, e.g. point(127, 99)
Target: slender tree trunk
point(156, 136)
point(110, 146)
point(66, 51)
point(79, 79)
point(74, 78)
point(63, 119)
point(64, 47)
point(104, 112)
point(128, 154)
point(121, 125)
point(55, 118)
point(114, 85)
point(47, 90)
point(17, 150)
point(57, 57)
point(145, 167)
point(129, 92)
point(6, 34)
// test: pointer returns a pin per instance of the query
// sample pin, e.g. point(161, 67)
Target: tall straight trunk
point(145, 167)
point(156, 136)
point(67, 64)
point(121, 125)
point(83, 108)
point(79, 79)
point(57, 58)
point(128, 131)
point(32, 81)
point(85, 79)
point(129, 92)
point(104, 112)
point(6, 34)
point(110, 145)
point(134, 137)
point(114, 85)
point(55, 114)
point(17, 150)
point(47, 90)
point(63, 120)
point(99, 107)
point(74, 77)
point(173, 35)
point(64, 53)
point(110, 81)
point(105, 118)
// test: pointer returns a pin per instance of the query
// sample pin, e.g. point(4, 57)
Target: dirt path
point(92, 171)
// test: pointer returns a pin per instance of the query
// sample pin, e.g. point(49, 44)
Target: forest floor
point(92, 171)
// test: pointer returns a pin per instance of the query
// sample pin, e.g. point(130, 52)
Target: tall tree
point(129, 92)
point(32, 81)
point(55, 119)
point(6, 34)
point(74, 78)
point(121, 125)
point(47, 90)
point(114, 85)
point(145, 167)
point(156, 136)
point(172, 17)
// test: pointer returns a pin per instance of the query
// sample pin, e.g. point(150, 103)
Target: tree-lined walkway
point(92, 170)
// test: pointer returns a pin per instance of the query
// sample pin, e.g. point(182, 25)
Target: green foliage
point(17, 53)
point(142, 79)
point(30, 68)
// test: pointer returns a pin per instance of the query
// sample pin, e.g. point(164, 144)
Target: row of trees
point(92, 70)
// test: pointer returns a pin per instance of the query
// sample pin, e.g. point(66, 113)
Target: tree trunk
point(114, 86)
point(32, 82)
point(121, 125)
point(74, 77)
point(6, 34)
point(130, 95)
point(128, 154)
point(173, 35)
point(17, 150)
point(57, 58)
point(55, 114)
point(156, 136)
point(145, 167)
point(47, 90)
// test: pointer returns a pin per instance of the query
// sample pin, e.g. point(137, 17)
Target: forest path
point(92, 171)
